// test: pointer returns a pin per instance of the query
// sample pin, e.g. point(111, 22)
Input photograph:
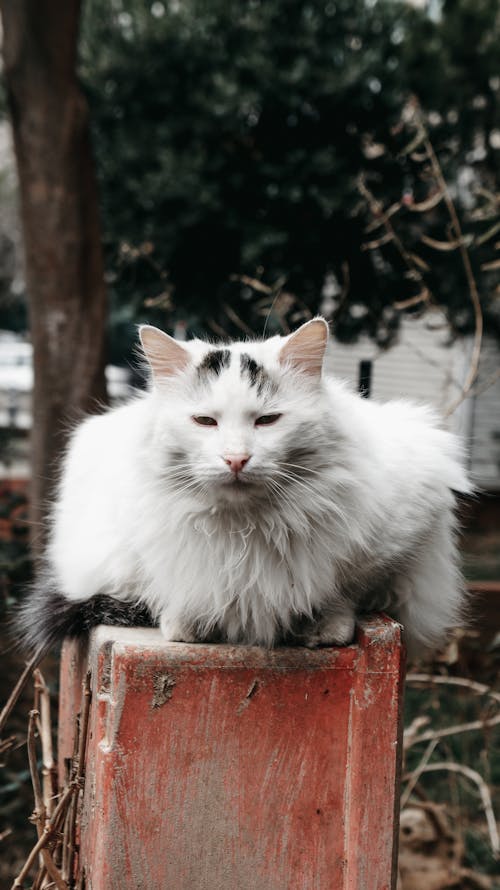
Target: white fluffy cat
point(245, 497)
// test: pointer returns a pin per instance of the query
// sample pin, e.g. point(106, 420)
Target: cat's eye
point(267, 419)
point(205, 421)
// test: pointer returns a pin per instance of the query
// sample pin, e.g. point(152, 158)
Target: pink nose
point(236, 461)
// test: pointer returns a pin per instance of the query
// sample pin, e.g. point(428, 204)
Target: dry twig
point(383, 217)
point(18, 688)
point(6, 744)
point(484, 792)
point(459, 242)
point(414, 776)
point(40, 813)
point(44, 724)
point(413, 738)
point(62, 821)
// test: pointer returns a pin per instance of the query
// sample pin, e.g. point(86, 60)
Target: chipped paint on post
point(222, 767)
point(163, 688)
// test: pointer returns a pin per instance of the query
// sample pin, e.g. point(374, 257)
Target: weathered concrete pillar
point(236, 768)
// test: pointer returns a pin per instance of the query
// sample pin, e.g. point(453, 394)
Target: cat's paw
point(331, 631)
point(175, 631)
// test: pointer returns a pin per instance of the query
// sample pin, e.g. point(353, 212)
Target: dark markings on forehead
point(214, 362)
point(256, 373)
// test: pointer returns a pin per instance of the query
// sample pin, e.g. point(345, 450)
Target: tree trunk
point(59, 212)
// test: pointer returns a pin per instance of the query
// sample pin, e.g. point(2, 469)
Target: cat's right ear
point(165, 355)
point(304, 350)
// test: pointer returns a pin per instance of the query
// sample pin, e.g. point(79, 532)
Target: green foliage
point(230, 137)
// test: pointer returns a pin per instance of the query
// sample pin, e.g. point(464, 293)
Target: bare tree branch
point(484, 792)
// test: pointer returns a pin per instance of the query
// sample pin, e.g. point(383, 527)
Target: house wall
point(485, 434)
point(424, 366)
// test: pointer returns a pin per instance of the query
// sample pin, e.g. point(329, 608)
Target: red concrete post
point(236, 768)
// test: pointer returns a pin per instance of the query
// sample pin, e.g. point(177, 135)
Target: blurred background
point(228, 169)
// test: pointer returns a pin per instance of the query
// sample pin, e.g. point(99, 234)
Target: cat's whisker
point(299, 482)
point(284, 495)
point(308, 470)
point(329, 504)
point(183, 485)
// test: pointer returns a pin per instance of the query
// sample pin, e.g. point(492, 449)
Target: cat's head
point(236, 422)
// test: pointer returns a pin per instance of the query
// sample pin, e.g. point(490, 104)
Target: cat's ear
point(165, 355)
point(305, 349)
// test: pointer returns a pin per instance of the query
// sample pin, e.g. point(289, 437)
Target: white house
point(16, 383)
point(424, 366)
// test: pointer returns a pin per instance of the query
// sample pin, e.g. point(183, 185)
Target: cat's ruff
point(246, 497)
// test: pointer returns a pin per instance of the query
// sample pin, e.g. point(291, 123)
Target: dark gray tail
point(46, 616)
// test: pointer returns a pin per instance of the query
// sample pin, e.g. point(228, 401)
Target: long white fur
point(370, 523)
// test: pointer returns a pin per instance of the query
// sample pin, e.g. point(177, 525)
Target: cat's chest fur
point(246, 575)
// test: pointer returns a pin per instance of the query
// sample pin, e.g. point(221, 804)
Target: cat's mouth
point(237, 485)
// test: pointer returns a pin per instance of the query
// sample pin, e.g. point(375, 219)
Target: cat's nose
point(236, 461)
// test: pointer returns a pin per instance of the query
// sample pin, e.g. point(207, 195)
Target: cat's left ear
point(165, 355)
point(304, 350)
